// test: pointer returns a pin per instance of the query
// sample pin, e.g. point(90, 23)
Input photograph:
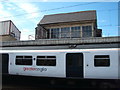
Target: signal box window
point(46, 60)
point(87, 31)
point(23, 60)
point(101, 61)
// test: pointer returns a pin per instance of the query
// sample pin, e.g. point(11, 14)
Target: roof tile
point(69, 17)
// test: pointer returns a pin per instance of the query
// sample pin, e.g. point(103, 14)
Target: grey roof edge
point(71, 12)
point(5, 21)
point(68, 22)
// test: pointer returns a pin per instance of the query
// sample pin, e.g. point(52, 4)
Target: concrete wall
point(53, 47)
point(75, 41)
point(7, 38)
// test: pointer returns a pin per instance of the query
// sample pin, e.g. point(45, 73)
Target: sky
point(26, 15)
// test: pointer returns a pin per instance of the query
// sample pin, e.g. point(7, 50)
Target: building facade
point(68, 25)
point(8, 31)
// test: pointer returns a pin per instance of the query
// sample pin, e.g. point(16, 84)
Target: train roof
point(60, 50)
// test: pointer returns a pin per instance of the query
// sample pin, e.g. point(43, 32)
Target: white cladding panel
point(8, 28)
point(4, 28)
point(14, 31)
point(49, 71)
point(110, 72)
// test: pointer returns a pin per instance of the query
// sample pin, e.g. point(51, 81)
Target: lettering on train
point(35, 69)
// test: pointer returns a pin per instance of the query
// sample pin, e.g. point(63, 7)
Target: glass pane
point(19, 56)
point(102, 56)
point(47, 61)
point(40, 57)
point(23, 60)
point(101, 60)
point(87, 31)
point(75, 32)
point(55, 33)
point(65, 32)
point(28, 57)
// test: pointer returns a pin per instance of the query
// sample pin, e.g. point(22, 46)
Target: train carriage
point(71, 63)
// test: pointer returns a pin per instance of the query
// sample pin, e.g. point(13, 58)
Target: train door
point(74, 65)
point(5, 58)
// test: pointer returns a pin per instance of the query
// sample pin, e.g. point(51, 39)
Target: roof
point(69, 17)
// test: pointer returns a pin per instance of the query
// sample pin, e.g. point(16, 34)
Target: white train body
point(49, 71)
point(88, 63)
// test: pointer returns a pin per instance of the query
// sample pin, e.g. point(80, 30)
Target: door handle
point(33, 58)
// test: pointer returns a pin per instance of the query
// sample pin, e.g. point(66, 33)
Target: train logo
point(34, 69)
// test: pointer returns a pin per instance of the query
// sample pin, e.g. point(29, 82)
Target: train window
point(40, 56)
point(23, 60)
point(101, 60)
point(46, 61)
point(51, 57)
